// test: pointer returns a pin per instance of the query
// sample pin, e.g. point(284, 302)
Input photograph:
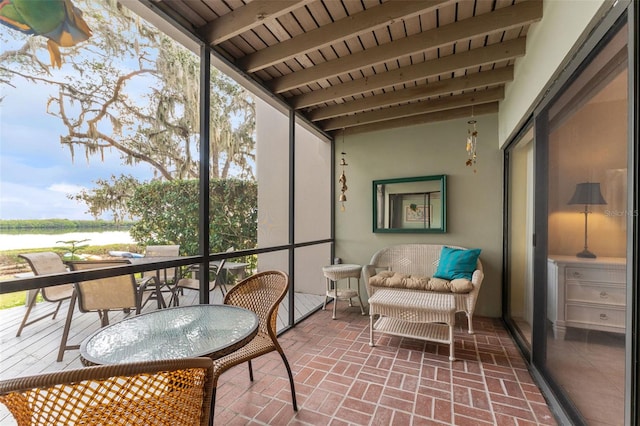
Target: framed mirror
point(410, 205)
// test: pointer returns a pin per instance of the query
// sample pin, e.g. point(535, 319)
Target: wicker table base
point(420, 315)
point(333, 273)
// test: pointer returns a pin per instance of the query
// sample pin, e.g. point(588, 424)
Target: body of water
point(28, 241)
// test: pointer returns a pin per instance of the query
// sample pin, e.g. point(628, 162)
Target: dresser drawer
point(595, 315)
point(600, 275)
point(605, 295)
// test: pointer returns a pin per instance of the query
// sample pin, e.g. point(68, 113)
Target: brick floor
point(341, 380)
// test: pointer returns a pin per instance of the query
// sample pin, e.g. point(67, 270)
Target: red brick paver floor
point(341, 380)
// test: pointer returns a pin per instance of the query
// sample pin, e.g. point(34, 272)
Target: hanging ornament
point(343, 178)
point(472, 143)
point(343, 184)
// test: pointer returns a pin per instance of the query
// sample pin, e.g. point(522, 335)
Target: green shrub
point(167, 213)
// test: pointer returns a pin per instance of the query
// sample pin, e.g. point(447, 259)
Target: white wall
point(548, 44)
point(474, 200)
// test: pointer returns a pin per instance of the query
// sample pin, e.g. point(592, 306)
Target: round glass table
point(179, 332)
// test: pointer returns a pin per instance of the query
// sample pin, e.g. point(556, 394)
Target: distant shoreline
point(20, 225)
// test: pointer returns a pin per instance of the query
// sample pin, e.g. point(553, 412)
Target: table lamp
point(587, 193)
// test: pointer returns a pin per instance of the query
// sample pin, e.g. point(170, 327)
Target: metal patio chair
point(44, 263)
point(158, 281)
point(100, 295)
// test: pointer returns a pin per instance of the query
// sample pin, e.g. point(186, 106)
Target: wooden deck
point(35, 351)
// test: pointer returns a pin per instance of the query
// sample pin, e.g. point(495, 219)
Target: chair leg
point(470, 320)
point(67, 326)
point(293, 389)
point(24, 323)
point(250, 371)
point(213, 406)
point(175, 298)
point(57, 309)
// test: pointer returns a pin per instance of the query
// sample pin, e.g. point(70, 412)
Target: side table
point(333, 273)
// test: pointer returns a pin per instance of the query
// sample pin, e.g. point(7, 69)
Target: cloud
point(65, 188)
point(27, 202)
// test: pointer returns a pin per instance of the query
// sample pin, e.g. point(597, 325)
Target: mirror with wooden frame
point(410, 205)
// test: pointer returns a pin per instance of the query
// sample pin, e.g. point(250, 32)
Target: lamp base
point(586, 253)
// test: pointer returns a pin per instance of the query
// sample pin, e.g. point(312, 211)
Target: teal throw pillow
point(456, 263)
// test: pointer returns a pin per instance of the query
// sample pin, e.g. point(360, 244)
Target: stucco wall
point(474, 200)
point(548, 43)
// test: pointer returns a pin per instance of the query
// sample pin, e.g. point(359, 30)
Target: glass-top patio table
point(179, 332)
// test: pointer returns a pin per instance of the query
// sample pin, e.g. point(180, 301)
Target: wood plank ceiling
point(363, 65)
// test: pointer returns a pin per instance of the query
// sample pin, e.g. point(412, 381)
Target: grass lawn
point(13, 299)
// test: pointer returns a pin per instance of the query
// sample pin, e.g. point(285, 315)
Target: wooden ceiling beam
point(246, 18)
point(449, 102)
point(348, 27)
point(447, 64)
point(502, 19)
point(439, 88)
point(414, 120)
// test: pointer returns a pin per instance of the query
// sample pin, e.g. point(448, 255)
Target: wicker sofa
point(421, 260)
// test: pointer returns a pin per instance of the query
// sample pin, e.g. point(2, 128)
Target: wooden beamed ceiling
point(364, 65)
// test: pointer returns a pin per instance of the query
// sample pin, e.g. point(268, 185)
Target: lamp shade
point(587, 193)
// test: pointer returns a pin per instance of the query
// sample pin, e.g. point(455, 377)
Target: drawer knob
point(604, 295)
point(604, 317)
point(577, 274)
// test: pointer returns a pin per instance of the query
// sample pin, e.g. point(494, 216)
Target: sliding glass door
point(587, 236)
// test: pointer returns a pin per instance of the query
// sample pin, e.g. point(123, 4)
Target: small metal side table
point(333, 273)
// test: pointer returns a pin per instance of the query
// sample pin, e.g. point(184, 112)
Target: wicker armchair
point(45, 263)
point(169, 392)
point(262, 294)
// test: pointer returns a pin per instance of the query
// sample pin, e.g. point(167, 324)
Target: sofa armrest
point(476, 279)
point(367, 272)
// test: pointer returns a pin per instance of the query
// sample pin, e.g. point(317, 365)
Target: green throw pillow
point(456, 263)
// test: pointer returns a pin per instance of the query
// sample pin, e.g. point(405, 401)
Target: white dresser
point(586, 293)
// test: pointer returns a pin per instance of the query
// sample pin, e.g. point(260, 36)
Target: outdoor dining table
point(179, 332)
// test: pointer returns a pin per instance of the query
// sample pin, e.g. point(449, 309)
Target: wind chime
point(472, 142)
point(343, 178)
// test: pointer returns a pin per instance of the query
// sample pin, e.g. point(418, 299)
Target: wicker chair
point(169, 392)
point(100, 295)
point(262, 294)
point(45, 263)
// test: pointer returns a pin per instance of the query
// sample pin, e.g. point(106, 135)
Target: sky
point(36, 171)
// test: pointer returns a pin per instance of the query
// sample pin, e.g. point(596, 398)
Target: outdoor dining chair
point(100, 295)
point(45, 263)
point(262, 294)
point(161, 281)
point(193, 284)
point(160, 393)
